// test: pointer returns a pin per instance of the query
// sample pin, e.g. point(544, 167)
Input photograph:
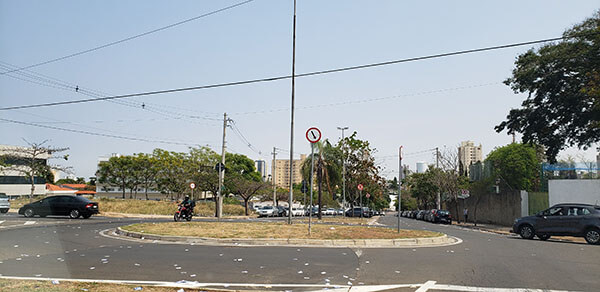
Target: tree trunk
point(457, 214)
point(123, 187)
point(319, 181)
point(32, 177)
point(146, 191)
point(246, 204)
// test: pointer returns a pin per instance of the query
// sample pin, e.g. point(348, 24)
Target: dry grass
point(47, 286)
point(339, 220)
point(161, 207)
point(273, 230)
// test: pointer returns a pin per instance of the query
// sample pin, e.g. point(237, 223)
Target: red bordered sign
point(360, 187)
point(313, 135)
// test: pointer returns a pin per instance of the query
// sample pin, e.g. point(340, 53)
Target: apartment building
point(468, 154)
point(281, 171)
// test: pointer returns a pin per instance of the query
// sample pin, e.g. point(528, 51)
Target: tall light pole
point(292, 119)
point(399, 184)
point(343, 171)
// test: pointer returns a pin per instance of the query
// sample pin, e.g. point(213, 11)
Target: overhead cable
point(127, 38)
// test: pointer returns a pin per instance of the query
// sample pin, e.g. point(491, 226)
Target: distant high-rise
point(281, 171)
point(421, 166)
point(468, 154)
point(261, 167)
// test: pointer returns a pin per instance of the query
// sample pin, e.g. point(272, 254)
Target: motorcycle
point(183, 213)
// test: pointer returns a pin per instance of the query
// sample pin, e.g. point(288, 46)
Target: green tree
point(328, 167)
point(516, 164)
point(115, 172)
point(148, 170)
point(562, 81)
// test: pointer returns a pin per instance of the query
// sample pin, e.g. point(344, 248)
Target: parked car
point(428, 216)
point(267, 211)
point(420, 214)
point(581, 220)
point(330, 211)
point(4, 203)
point(296, 211)
point(73, 206)
point(441, 216)
point(281, 211)
point(339, 212)
point(356, 212)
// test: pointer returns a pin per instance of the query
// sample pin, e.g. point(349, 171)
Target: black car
point(281, 210)
point(581, 220)
point(356, 212)
point(441, 216)
point(73, 206)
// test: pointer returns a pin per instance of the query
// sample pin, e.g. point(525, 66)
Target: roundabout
point(90, 250)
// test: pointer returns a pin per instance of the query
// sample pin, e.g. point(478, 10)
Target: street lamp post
point(343, 171)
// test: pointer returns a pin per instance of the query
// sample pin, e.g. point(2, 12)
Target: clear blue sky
point(254, 41)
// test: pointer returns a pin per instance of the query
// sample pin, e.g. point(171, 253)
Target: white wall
point(20, 190)
point(585, 191)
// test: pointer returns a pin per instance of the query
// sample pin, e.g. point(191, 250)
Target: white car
point(4, 203)
point(295, 211)
point(266, 211)
point(330, 211)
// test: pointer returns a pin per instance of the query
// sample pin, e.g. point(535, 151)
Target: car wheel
point(526, 231)
point(74, 214)
point(592, 236)
point(29, 213)
point(4, 210)
point(86, 216)
point(543, 236)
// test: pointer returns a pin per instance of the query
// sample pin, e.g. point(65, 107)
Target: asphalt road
point(56, 247)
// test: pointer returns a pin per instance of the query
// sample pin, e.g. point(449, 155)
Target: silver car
point(266, 211)
point(4, 203)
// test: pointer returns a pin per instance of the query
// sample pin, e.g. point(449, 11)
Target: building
point(261, 167)
point(13, 182)
point(598, 163)
point(468, 154)
point(421, 166)
point(281, 171)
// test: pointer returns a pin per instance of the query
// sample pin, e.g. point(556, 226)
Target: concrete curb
point(348, 243)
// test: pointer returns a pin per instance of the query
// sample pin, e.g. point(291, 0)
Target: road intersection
point(59, 248)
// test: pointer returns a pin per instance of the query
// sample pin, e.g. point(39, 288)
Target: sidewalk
point(504, 230)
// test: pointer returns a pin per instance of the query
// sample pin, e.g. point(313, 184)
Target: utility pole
point(221, 170)
point(273, 176)
point(437, 165)
point(292, 119)
point(400, 172)
point(343, 171)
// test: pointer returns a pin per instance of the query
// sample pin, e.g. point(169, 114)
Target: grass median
point(162, 207)
point(275, 230)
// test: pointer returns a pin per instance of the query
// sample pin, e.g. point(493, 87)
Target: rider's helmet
point(187, 197)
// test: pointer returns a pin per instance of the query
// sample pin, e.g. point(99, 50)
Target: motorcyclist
point(188, 204)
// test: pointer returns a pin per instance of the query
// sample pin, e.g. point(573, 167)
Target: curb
point(293, 242)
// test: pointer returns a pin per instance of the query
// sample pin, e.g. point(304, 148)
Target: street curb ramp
point(296, 242)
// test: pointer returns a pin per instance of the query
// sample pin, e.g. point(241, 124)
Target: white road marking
point(29, 223)
point(428, 285)
point(1, 221)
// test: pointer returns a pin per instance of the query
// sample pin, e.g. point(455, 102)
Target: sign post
point(192, 186)
point(360, 188)
point(313, 135)
point(400, 172)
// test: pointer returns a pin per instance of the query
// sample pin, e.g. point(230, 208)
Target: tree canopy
point(562, 81)
point(516, 164)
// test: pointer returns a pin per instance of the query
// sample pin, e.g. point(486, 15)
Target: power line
point(99, 134)
point(128, 38)
point(44, 80)
point(269, 79)
point(366, 100)
point(238, 132)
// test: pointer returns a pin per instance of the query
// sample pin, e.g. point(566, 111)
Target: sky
point(419, 105)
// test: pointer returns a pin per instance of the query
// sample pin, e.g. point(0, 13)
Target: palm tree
point(328, 165)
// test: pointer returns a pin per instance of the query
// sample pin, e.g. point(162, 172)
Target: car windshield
point(196, 145)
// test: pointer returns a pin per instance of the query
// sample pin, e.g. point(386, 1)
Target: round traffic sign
point(368, 195)
point(360, 187)
point(313, 135)
point(192, 186)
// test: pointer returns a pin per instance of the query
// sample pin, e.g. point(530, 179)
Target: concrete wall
point(22, 190)
point(574, 191)
point(491, 208)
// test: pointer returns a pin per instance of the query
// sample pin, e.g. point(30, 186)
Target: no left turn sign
point(313, 135)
